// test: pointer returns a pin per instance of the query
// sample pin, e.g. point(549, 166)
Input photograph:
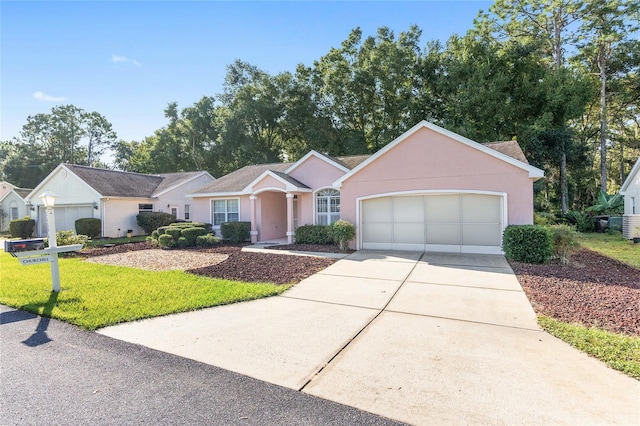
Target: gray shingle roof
point(236, 181)
point(22, 192)
point(115, 183)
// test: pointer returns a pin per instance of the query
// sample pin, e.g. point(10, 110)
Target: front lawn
point(614, 246)
point(95, 295)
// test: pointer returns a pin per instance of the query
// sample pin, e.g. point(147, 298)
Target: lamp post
point(49, 201)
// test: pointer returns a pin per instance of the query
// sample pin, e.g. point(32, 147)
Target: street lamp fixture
point(49, 199)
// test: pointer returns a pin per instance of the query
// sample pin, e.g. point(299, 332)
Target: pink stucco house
point(430, 189)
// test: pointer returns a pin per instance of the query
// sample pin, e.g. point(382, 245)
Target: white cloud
point(118, 59)
point(41, 96)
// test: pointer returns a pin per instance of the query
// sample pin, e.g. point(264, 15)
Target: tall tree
point(606, 24)
point(547, 23)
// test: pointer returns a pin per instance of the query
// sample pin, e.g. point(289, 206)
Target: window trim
point(226, 213)
point(141, 210)
point(328, 213)
point(187, 212)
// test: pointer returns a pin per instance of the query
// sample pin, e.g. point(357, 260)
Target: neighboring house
point(429, 189)
point(631, 191)
point(113, 196)
point(5, 188)
point(13, 206)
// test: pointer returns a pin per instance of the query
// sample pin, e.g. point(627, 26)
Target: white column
point(290, 231)
point(254, 225)
point(55, 269)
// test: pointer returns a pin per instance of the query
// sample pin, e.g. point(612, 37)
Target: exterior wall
point(268, 182)
point(316, 173)
point(428, 160)
point(120, 216)
point(200, 209)
point(5, 188)
point(9, 201)
point(306, 209)
point(632, 191)
point(71, 191)
point(176, 197)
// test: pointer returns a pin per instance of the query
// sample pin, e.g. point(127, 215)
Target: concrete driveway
point(421, 338)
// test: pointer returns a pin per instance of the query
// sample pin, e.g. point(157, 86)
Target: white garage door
point(66, 217)
point(460, 222)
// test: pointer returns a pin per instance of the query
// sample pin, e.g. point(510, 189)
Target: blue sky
point(127, 60)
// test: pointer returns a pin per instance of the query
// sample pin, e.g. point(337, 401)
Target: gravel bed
point(161, 260)
point(592, 290)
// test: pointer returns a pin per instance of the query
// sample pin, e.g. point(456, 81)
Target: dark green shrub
point(208, 240)
point(174, 232)
point(183, 242)
point(343, 232)
point(154, 235)
point(527, 243)
point(583, 222)
point(236, 232)
point(191, 234)
point(89, 226)
point(150, 221)
point(166, 241)
point(314, 234)
point(22, 228)
point(565, 242)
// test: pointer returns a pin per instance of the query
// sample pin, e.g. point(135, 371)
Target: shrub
point(174, 232)
point(527, 243)
point(22, 228)
point(67, 238)
point(582, 221)
point(236, 232)
point(544, 219)
point(565, 242)
point(89, 226)
point(191, 234)
point(343, 232)
point(150, 221)
point(208, 240)
point(182, 242)
point(314, 234)
point(166, 241)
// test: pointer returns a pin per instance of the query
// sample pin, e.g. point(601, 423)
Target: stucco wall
point(176, 197)
point(428, 160)
point(272, 217)
point(120, 216)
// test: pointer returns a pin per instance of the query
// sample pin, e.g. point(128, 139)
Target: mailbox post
point(32, 252)
point(49, 200)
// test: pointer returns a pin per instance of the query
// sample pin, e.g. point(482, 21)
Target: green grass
point(619, 351)
point(100, 242)
point(94, 295)
point(612, 245)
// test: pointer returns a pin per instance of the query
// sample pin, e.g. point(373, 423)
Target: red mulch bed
point(242, 266)
point(592, 290)
point(319, 248)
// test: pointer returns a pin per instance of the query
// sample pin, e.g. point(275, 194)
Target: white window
point(187, 213)
point(145, 208)
point(327, 206)
point(174, 211)
point(225, 211)
point(14, 213)
point(633, 205)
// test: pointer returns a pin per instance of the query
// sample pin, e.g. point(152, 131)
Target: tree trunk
point(563, 182)
point(603, 119)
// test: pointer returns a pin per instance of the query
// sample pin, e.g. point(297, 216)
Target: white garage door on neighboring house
point(453, 222)
point(66, 217)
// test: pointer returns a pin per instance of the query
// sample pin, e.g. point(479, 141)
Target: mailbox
point(14, 246)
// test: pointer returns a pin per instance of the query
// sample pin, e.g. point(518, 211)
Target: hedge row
point(186, 234)
point(539, 244)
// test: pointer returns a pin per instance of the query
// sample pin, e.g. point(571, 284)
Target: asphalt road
point(54, 373)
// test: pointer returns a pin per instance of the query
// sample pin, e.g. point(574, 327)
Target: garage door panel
point(411, 233)
point(443, 208)
point(443, 234)
point(377, 232)
point(480, 208)
point(378, 210)
point(456, 222)
point(481, 234)
point(408, 209)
